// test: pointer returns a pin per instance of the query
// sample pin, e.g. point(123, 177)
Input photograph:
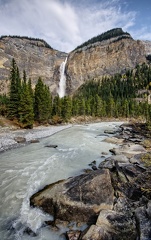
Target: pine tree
point(42, 103)
point(75, 107)
point(25, 110)
point(30, 89)
point(66, 108)
point(48, 103)
point(110, 106)
point(4, 105)
point(88, 106)
point(82, 106)
point(14, 95)
point(98, 106)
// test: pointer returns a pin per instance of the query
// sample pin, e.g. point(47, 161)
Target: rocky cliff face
point(104, 58)
point(36, 57)
point(147, 45)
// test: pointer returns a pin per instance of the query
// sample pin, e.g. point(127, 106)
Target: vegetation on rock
point(116, 32)
point(44, 43)
point(125, 95)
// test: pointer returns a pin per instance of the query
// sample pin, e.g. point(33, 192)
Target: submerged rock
point(51, 146)
point(110, 131)
point(20, 139)
point(80, 198)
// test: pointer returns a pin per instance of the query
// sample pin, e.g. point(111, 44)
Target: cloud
point(104, 16)
point(64, 24)
point(49, 19)
point(144, 33)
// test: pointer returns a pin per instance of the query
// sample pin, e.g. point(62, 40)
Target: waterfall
point(62, 83)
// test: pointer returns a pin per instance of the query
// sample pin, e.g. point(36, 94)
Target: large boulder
point(128, 150)
point(114, 140)
point(112, 225)
point(80, 198)
point(110, 162)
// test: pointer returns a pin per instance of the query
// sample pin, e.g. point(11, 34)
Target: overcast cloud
point(64, 24)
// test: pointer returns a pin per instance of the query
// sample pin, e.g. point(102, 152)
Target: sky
point(65, 24)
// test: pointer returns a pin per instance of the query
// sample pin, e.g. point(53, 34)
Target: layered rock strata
point(101, 58)
point(105, 58)
point(36, 57)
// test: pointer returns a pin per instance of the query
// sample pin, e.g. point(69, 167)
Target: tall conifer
point(42, 103)
point(14, 91)
point(25, 110)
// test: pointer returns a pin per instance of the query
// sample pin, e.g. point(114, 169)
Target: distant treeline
point(126, 95)
point(116, 32)
point(28, 38)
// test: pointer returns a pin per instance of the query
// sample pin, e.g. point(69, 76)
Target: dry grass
point(146, 159)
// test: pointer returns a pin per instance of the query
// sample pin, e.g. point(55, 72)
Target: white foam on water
point(67, 149)
point(32, 218)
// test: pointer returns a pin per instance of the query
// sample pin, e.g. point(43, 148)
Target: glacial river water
point(25, 170)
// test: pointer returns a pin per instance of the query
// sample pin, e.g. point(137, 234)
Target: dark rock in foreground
point(111, 225)
point(80, 198)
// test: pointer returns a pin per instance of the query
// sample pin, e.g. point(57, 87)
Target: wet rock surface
point(114, 200)
point(79, 198)
point(51, 146)
point(20, 139)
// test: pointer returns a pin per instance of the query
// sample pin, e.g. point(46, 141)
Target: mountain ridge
point(106, 54)
point(110, 34)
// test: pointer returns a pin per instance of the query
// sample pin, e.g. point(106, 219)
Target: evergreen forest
point(122, 95)
point(113, 33)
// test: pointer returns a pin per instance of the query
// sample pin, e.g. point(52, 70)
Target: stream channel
point(27, 169)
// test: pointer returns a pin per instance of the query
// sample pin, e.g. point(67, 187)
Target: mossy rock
point(147, 143)
point(146, 159)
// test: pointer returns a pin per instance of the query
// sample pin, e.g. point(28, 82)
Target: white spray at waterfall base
point(62, 83)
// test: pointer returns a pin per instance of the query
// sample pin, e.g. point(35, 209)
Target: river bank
point(10, 137)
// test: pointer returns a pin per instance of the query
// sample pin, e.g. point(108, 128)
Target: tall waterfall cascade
point(62, 83)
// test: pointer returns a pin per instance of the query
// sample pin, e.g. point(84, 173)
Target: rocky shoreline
point(114, 200)
point(14, 138)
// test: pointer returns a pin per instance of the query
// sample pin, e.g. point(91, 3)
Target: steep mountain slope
point(109, 53)
point(34, 56)
point(106, 56)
